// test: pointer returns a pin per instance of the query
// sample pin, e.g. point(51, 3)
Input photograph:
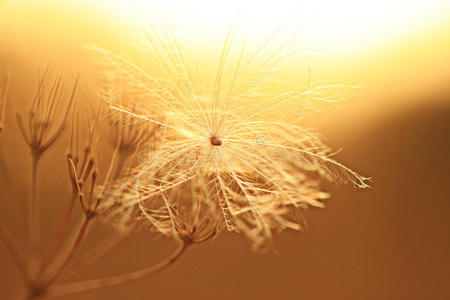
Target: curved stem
point(68, 254)
point(82, 286)
point(123, 156)
point(93, 254)
point(59, 235)
point(16, 255)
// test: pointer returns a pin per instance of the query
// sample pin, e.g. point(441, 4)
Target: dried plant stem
point(3, 96)
point(122, 159)
point(94, 253)
point(74, 244)
point(16, 255)
point(59, 235)
point(33, 211)
point(71, 288)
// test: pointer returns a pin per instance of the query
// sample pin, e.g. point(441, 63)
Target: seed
point(215, 141)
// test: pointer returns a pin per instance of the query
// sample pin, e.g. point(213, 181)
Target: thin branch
point(59, 234)
point(76, 182)
point(41, 129)
point(75, 243)
point(3, 96)
point(82, 286)
point(94, 253)
point(16, 255)
point(33, 210)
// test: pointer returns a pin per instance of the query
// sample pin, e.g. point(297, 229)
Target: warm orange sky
point(389, 47)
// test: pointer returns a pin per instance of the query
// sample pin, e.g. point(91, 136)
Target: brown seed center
point(215, 141)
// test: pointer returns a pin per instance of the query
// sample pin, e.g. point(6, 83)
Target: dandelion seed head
point(212, 165)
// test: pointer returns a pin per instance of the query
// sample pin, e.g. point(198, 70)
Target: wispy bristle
point(227, 133)
point(45, 126)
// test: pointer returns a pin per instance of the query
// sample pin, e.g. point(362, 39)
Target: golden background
point(389, 242)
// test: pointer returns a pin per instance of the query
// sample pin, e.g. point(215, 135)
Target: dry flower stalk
point(73, 159)
point(3, 97)
point(85, 182)
point(43, 131)
point(17, 255)
point(82, 286)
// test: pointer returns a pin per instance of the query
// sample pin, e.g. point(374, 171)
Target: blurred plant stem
point(33, 213)
point(16, 255)
point(58, 266)
point(58, 237)
point(83, 286)
point(3, 98)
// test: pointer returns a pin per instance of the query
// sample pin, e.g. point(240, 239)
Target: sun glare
point(348, 25)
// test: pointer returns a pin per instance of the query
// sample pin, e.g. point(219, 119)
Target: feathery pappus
point(232, 153)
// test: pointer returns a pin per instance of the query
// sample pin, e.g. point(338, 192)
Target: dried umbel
point(47, 115)
point(96, 191)
point(229, 135)
point(92, 192)
point(184, 211)
point(96, 195)
point(125, 132)
point(193, 154)
point(45, 124)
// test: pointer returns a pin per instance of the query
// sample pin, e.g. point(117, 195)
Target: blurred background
point(389, 242)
